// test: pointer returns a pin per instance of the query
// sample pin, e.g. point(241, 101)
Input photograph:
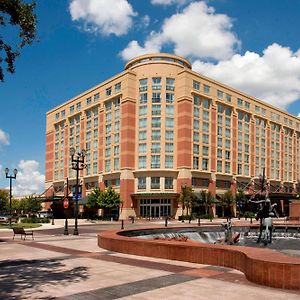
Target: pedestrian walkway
point(55, 266)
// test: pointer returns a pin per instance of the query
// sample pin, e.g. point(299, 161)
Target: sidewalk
point(74, 267)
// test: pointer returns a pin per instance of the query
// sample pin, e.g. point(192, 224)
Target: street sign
point(66, 203)
point(78, 198)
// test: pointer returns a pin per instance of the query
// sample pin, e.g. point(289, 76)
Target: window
point(169, 147)
point(169, 135)
point(170, 110)
point(169, 97)
point(143, 98)
point(156, 122)
point(169, 161)
point(228, 98)
point(205, 151)
point(107, 165)
point(56, 116)
point(219, 94)
point(205, 103)
point(155, 161)
point(219, 166)
point(196, 85)
point(206, 89)
point(155, 135)
point(72, 109)
point(78, 106)
point(240, 102)
point(108, 91)
point(205, 164)
point(156, 97)
point(156, 109)
point(196, 149)
point(196, 124)
point(117, 87)
point(170, 84)
point(196, 136)
point(143, 123)
point(63, 113)
point(116, 163)
point(96, 97)
point(116, 138)
point(155, 148)
point(88, 100)
point(142, 162)
point(143, 85)
point(142, 135)
point(155, 182)
point(156, 83)
point(143, 110)
point(142, 183)
point(116, 150)
point(195, 162)
point(168, 183)
point(205, 138)
point(197, 100)
point(142, 148)
point(169, 122)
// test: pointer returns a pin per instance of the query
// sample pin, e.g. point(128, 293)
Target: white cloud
point(4, 137)
point(197, 31)
point(273, 77)
point(145, 20)
point(169, 2)
point(29, 180)
point(102, 16)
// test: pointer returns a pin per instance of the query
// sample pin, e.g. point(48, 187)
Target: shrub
point(35, 220)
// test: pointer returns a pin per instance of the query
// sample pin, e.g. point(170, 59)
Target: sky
point(250, 45)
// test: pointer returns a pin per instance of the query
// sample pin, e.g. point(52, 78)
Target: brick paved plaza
point(56, 266)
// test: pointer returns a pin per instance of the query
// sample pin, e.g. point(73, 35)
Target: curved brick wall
point(262, 266)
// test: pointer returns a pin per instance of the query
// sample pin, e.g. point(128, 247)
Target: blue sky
point(251, 45)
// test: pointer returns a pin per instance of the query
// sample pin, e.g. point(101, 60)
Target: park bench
point(22, 232)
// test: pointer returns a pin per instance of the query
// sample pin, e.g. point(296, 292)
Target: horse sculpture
point(265, 214)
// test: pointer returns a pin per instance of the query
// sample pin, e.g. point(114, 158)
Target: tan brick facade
point(159, 125)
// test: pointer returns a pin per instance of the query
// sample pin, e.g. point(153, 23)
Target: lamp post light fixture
point(11, 177)
point(77, 160)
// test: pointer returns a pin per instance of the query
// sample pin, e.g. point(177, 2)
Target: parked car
point(4, 219)
point(45, 214)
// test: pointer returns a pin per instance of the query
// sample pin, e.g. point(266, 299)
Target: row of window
point(155, 183)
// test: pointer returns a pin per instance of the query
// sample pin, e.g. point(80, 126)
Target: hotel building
point(159, 125)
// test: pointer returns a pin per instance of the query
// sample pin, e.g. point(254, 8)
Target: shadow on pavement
point(16, 276)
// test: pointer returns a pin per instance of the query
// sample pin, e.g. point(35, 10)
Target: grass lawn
point(18, 225)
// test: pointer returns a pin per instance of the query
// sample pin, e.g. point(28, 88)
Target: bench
point(22, 232)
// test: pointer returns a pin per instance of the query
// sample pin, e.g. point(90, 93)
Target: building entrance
point(155, 208)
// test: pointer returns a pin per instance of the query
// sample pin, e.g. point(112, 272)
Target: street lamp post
point(77, 165)
point(11, 177)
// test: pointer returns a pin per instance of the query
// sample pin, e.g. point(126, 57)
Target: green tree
point(30, 205)
point(92, 198)
point(240, 200)
point(4, 200)
point(186, 198)
point(207, 199)
point(227, 201)
point(20, 14)
point(109, 199)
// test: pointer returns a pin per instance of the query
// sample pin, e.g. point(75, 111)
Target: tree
point(207, 199)
point(30, 205)
point(4, 200)
point(109, 199)
point(227, 201)
point(186, 198)
point(20, 14)
point(240, 200)
point(92, 198)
